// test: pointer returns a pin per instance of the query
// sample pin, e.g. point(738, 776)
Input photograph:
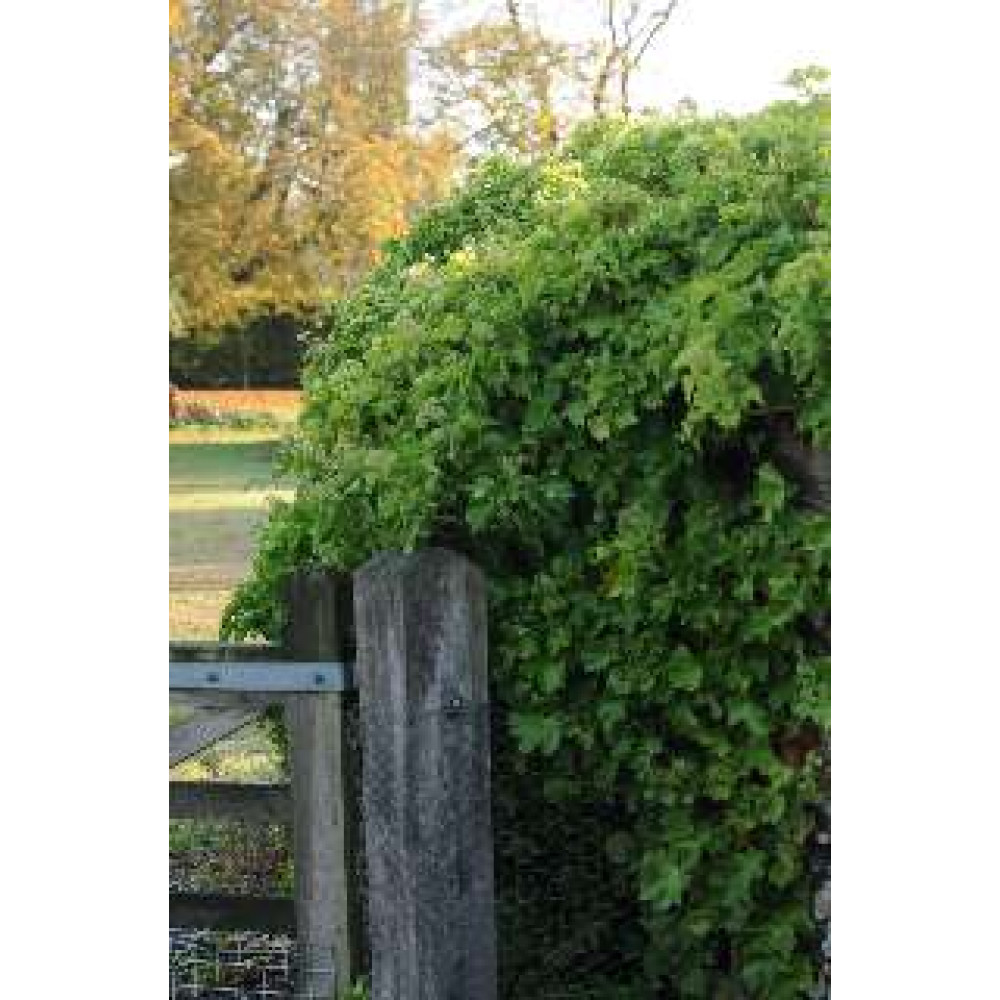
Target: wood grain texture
point(248, 700)
point(421, 669)
point(206, 727)
point(219, 800)
point(328, 913)
point(215, 911)
point(198, 651)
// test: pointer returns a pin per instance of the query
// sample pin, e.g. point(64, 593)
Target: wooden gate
point(420, 653)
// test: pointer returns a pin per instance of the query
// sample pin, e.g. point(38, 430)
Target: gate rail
point(229, 686)
point(421, 642)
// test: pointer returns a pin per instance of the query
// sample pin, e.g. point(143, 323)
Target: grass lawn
point(220, 483)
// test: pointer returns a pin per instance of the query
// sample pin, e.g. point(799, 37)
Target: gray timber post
point(327, 910)
point(421, 671)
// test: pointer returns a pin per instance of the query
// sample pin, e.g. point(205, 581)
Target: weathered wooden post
point(421, 670)
point(327, 912)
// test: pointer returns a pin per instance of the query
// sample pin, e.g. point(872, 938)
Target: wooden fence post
point(421, 671)
point(327, 910)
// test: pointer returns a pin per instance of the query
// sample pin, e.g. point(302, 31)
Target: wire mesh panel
point(352, 728)
point(820, 865)
point(235, 858)
point(567, 926)
point(234, 965)
point(230, 858)
point(211, 965)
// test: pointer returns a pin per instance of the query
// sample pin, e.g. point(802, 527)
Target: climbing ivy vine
point(572, 371)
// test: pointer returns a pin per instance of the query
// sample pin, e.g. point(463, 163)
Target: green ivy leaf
point(684, 671)
point(750, 715)
point(770, 491)
point(535, 732)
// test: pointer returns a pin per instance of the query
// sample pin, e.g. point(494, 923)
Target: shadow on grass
point(220, 483)
point(220, 535)
point(197, 465)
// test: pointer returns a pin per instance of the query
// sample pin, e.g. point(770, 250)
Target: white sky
point(725, 54)
point(733, 54)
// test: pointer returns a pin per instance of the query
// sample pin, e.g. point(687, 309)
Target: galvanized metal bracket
point(276, 676)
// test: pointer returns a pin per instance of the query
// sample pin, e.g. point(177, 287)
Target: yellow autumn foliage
point(291, 156)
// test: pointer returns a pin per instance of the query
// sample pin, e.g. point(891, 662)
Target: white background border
point(84, 235)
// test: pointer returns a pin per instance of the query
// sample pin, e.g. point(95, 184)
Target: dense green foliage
point(571, 372)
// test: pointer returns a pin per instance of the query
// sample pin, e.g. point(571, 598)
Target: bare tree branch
point(658, 22)
point(514, 12)
point(613, 55)
point(633, 12)
point(625, 49)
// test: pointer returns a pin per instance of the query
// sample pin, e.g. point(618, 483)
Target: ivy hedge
point(574, 372)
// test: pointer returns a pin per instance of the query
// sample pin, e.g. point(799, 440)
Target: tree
point(503, 85)
point(508, 85)
point(631, 30)
point(292, 159)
